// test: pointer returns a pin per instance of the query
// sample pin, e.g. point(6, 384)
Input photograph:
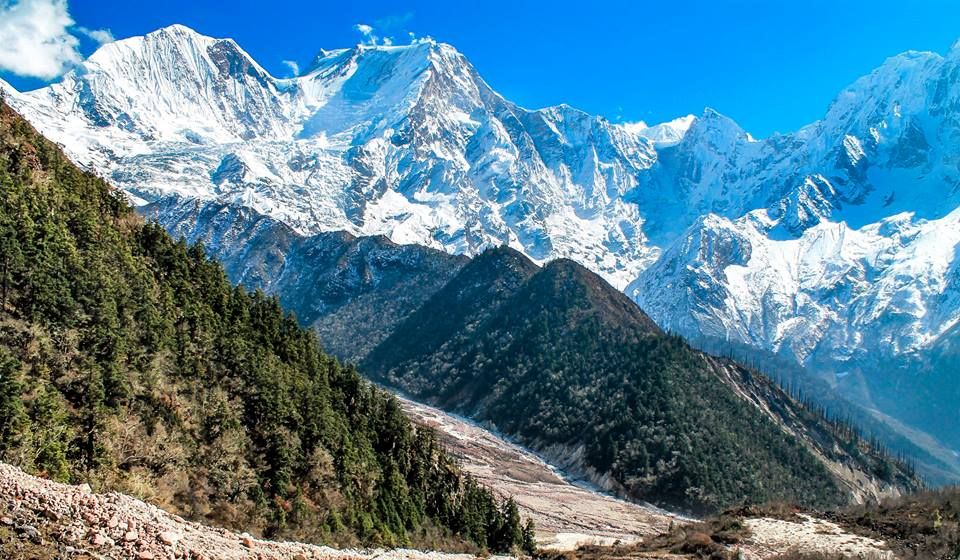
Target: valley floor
point(566, 514)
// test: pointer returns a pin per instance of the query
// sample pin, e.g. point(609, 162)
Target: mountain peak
point(501, 260)
point(714, 129)
point(176, 29)
point(717, 119)
point(563, 282)
point(175, 39)
point(664, 134)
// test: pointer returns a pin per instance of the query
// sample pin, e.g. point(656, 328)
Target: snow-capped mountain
point(836, 245)
point(831, 244)
point(405, 141)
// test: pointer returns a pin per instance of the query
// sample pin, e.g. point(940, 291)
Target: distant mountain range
point(835, 246)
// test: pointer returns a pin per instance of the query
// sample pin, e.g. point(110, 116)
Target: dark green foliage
point(128, 360)
point(352, 291)
point(529, 538)
point(560, 360)
point(13, 415)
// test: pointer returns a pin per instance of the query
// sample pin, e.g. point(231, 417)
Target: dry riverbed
point(566, 514)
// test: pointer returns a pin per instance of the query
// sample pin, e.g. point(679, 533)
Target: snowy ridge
point(832, 244)
point(820, 292)
point(405, 141)
point(829, 244)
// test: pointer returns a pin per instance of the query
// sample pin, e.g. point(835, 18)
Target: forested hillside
point(351, 290)
point(127, 360)
point(560, 360)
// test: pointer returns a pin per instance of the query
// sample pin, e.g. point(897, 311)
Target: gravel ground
point(771, 537)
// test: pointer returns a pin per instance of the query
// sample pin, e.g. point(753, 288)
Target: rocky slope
point(44, 519)
point(351, 290)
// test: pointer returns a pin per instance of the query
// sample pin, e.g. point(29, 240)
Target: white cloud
point(364, 29)
point(36, 38)
point(293, 66)
point(102, 36)
point(370, 36)
point(421, 40)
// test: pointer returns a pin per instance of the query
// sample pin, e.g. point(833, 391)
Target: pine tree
point(529, 538)
point(127, 360)
point(13, 415)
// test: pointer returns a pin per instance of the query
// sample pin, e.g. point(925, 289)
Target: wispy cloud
point(101, 36)
point(38, 38)
point(370, 36)
point(365, 30)
point(382, 32)
point(293, 66)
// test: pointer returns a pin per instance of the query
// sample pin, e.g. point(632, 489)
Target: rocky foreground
point(41, 519)
point(45, 520)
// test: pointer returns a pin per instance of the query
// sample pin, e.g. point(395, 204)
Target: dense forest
point(560, 360)
point(127, 360)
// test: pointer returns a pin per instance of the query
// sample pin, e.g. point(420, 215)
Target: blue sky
point(771, 65)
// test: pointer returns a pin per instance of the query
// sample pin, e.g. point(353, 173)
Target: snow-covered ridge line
point(405, 141)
